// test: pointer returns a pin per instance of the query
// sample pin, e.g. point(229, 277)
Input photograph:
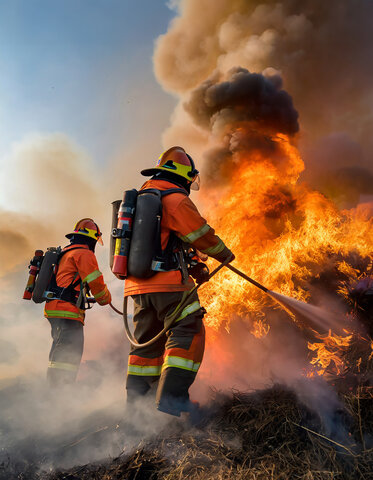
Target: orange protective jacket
point(179, 215)
point(81, 263)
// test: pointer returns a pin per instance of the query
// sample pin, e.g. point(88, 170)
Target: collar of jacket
point(75, 245)
point(162, 185)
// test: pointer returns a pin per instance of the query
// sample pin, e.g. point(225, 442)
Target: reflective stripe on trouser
point(66, 351)
point(179, 371)
point(180, 362)
point(148, 364)
point(144, 367)
point(70, 367)
point(64, 314)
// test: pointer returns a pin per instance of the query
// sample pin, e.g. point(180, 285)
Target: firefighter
point(77, 273)
point(170, 365)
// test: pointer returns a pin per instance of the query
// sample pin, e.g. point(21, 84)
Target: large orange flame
point(281, 232)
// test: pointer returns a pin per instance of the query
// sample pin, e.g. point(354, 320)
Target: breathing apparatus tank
point(122, 233)
point(50, 260)
point(34, 269)
point(138, 250)
point(146, 233)
point(114, 223)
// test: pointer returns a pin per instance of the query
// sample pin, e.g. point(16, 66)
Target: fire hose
point(171, 317)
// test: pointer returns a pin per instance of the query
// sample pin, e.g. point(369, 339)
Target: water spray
point(318, 317)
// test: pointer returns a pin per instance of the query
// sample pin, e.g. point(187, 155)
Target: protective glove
point(224, 255)
point(200, 272)
point(202, 256)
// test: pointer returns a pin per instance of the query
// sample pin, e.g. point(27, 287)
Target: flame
point(282, 233)
point(260, 328)
point(330, 351)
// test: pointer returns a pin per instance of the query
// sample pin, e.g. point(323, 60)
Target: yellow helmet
point(88, 228)
point(177, 161)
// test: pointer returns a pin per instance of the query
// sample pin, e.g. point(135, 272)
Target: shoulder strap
point(71, 249)
point(155, 191)
point(76, 280)
point(163, 193)
point(160, 255)
point(173, 190)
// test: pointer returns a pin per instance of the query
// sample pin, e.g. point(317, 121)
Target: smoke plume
point(322, 50)
point(244, 97)
point(242, 112)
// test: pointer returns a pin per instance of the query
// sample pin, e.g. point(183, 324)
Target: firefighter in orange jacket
point(172, 362)
point(77, 271)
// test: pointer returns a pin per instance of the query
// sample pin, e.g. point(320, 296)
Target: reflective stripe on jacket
point(179, 215)
point(81, 261)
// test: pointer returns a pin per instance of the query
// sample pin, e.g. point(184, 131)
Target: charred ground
point(258, 435)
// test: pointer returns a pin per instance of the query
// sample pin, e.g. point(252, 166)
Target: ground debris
point(263, 435)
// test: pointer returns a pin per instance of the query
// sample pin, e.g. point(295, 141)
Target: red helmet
point(88, 228)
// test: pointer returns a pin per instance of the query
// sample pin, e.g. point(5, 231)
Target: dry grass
point(263, 435)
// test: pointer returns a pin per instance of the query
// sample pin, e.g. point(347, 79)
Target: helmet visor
point(196, 183)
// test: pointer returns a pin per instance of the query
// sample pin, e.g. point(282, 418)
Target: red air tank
point(122, 234)
point(34, 268)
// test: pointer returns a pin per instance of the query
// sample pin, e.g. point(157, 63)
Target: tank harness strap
point(173, 190)
point(67, 294)
point(163, 193)
point(168, 259)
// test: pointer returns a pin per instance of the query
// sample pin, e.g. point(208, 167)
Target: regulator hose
point(115, 309)
point(169, 319)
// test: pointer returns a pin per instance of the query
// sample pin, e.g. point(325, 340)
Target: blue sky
point(84, 68)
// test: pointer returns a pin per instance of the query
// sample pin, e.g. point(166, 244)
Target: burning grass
point(283, 234)
point(262, 435)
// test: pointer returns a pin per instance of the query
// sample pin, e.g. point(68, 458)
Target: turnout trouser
point(173, 361)
point(66, 351)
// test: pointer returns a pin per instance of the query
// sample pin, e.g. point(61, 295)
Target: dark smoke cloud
point(323, 51)
point(244, 113)
point(244, 97)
